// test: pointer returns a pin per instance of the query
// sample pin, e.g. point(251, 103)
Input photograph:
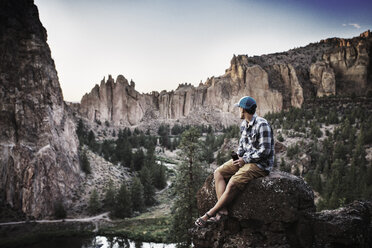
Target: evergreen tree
point(123, 204)
point(159, 175)
point(109, 199)
point(148, 187)
point(137, 196)
point(93, 206)
point(84, 162)
point(126, 156)
point(189, 178)
point(138, 160)
point(209, 148)
point(92, 141)
point(81, 132)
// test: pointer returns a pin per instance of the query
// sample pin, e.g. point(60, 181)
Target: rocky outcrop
point(292, 88)
point(39, 163)
point(122, 105)
point(277, 81)
point(323, 77)
point(351, 65)
point(260, 216)
point(279, 211)
point(114, 101)
point(349, 226)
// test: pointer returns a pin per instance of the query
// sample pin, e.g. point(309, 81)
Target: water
point(95, 242)
point(115, 242)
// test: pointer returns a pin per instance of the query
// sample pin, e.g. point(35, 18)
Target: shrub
point(84, 163)
point(59, 210)
point(93, 206)
point(292, 151)
point(280, 137)
point(284, 166)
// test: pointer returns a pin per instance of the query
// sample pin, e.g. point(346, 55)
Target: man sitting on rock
point(255, 159)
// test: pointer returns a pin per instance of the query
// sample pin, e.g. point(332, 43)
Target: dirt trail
point(104, 216)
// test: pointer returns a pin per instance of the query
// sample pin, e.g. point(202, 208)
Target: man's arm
point(264, 145)
point(240, 151)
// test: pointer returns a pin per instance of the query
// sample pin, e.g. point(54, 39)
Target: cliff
point(278, 211)
point(39, 164)
point(277, 81)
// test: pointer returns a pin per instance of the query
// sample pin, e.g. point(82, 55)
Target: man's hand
point(240, 162)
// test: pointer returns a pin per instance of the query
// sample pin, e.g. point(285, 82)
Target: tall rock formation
point(323, 77)
point(351, 65)
point(277, 81)
point(117, 102)
point(39, 163)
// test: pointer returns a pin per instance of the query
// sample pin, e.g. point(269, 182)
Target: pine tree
point(138, 160)
point(136, 193)
point(159, 175)
point(84, 162)
point(93, 206)
point(126, 156)
point(123, 204)
point(148, 187)
point(109, 200)
point(189, 178)
point(92, 141)
point(81, 132)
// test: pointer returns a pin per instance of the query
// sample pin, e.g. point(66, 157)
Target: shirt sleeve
point(264, 145)
point(240, 151)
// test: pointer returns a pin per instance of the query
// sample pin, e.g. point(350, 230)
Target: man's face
point(241, 110)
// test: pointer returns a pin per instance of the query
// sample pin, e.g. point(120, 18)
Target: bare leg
point(225, 198)
point(220, 186)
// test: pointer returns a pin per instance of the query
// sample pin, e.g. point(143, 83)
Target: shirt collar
point(249, 124)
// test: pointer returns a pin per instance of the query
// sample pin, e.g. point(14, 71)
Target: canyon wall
point(39, 164)
point(277, 81)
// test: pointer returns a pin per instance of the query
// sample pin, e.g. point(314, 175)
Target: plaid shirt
point(256, 144)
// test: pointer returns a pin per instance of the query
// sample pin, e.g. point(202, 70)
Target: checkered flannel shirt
point(256, 144)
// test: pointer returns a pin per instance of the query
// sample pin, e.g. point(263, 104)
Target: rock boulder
point(279, 211)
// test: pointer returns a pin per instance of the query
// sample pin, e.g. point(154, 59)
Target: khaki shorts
point(241, 176)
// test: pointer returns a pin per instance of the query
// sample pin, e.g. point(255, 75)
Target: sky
point(161, 43)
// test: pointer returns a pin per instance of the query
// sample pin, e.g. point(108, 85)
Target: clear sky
point(162, 43)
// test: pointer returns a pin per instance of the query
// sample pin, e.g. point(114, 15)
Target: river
point(95, 242)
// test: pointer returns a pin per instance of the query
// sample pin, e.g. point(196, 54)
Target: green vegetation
point(137, 195)
point(84, 162)
point(109, 198)
point(338, 168)
point(123, 203)
point(292, 151)
point(189, 178)
point(94, 204)
point(146, 230)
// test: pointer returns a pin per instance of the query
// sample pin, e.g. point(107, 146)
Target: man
point(256, 159)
